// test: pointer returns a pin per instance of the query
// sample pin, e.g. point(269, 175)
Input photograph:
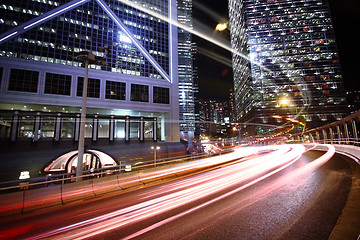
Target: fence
point(344, 131)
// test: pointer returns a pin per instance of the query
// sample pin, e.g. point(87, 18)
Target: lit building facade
point(134, 98)
point(187, 75)
point(293, 59)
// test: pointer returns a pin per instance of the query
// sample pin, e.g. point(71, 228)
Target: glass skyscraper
point(292, 68)
point(39, 75)
point(187, 78)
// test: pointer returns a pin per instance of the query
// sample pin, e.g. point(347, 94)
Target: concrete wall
point(36, 159)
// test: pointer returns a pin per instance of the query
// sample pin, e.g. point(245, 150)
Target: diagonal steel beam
point(41, 19)
point(71, 5)
point(141, 48)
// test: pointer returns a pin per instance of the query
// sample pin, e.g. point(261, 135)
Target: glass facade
point(187, 78)
point(293, 59)
point(93, 87)
point(23, 80)
point(57, 84)
point(139, 93)
point(38, 64)
point(66, 125)
point(115, 90)
point(86, 28)
point(161, 95)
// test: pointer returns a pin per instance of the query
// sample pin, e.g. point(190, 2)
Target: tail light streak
point(213, 183)
point(246, 173)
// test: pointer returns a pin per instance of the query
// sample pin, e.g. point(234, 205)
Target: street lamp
point(155, 149)
point(86, 58)
point(237, 129)
point(285, 102)
point(221, 26)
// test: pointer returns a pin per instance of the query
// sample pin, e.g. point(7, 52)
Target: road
point(283, 193)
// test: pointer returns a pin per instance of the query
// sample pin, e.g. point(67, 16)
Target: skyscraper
point(293, 58)
point(134, 97)
point(187, 78)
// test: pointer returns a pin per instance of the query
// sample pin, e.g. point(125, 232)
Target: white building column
point(173, 122)
point(37, 121)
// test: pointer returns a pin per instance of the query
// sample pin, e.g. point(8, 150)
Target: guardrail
point(60, 188)
point(345, 131)
point(100, 172)
point(343, 141)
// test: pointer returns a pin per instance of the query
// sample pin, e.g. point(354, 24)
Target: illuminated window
point(115, 90)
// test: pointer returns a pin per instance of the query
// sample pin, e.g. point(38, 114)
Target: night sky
point(216, 79)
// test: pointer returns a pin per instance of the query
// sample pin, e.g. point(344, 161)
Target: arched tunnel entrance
point(92, 159)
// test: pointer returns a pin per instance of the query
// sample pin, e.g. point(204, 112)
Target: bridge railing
point(345, 131)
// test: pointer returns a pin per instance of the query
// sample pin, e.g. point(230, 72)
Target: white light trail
point(191, 30)
point(205, 185)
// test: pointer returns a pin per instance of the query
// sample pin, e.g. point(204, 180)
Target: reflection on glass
point(47, 127)
point(148, 128)
point(134, 129)
point(26, 127)
point(103, 128)
point(68, 128)
point(120, 129)
point(5, 126)
point(88, 128)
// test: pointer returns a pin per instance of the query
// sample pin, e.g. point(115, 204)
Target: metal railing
point(64, 178)
point(58, 189)
point(344, 131)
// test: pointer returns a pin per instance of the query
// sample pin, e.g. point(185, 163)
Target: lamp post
point(235, 129)
point(221, 26)
point(86, 58)
point(155, 149)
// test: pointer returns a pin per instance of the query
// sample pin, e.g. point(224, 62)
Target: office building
point(133, 98)
point(187, 73)
point(292, 68)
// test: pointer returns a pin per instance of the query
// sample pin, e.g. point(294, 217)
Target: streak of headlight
point(45, 198)
point(208, 11)
point(283, 181)
point(229, 177)
point(191, 30)
point(215, 56)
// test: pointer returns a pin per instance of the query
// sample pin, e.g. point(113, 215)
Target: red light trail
point(253, 165)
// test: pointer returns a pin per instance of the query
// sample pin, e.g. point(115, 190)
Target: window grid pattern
point(115, 90)
point(57, 84)
point(86, 28)
point(293, 54)
point(139, 93)
point(161, 95)
point(23, 80)
point(93, 87)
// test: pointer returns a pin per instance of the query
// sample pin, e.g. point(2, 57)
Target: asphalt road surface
point(245, 200)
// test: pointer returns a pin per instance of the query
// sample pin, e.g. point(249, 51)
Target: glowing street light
point(284, 102)
point(221, 27)
point(155, 149)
